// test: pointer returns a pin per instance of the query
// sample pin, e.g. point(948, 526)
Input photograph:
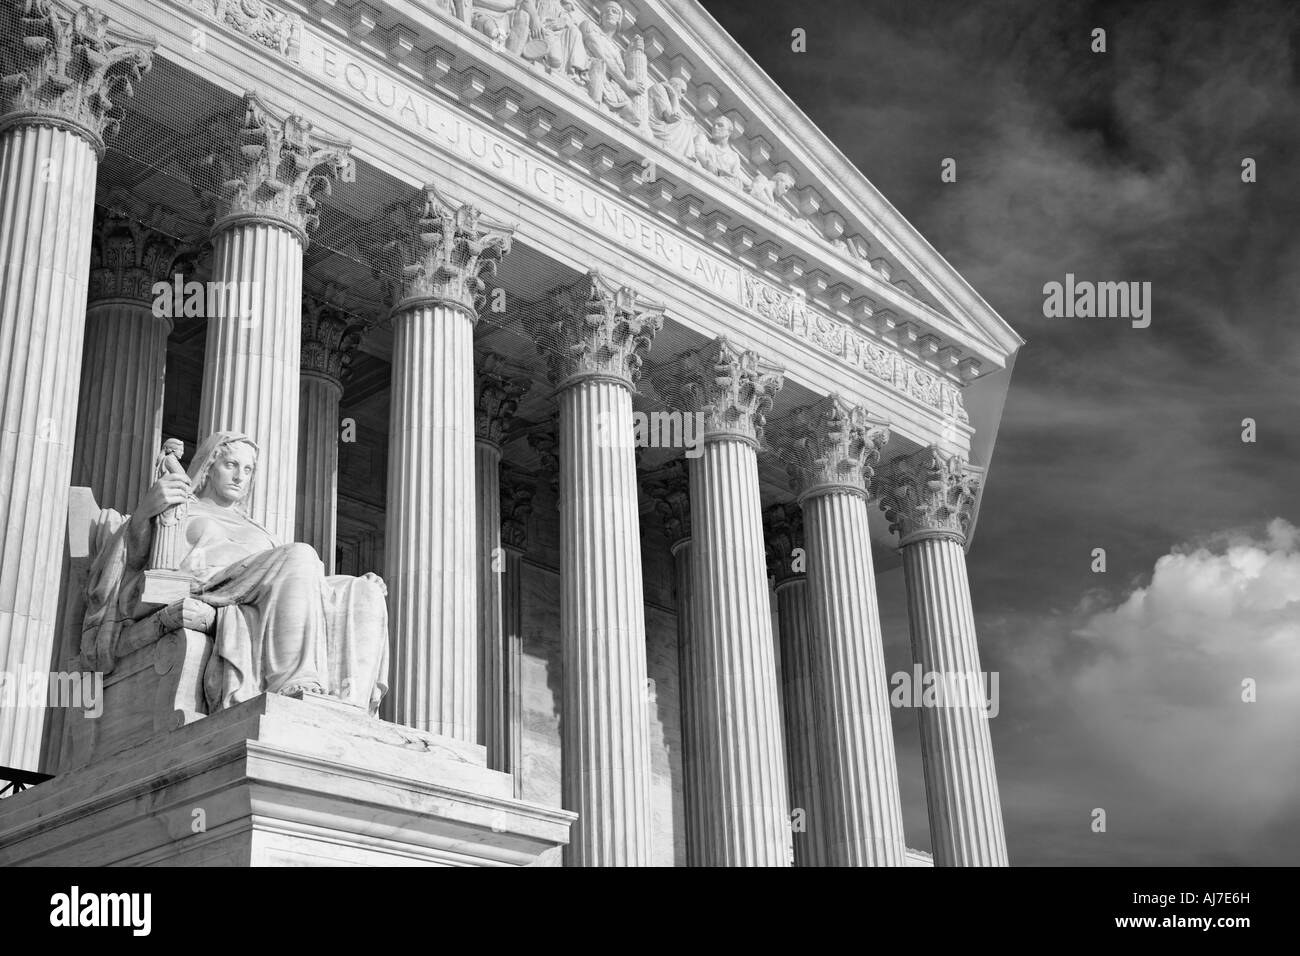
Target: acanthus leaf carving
point(732, 387)
point(929, 493)
point(831, 446)
point(517, 491)
point(669, 489)
point(498, 388)
point(783, 535)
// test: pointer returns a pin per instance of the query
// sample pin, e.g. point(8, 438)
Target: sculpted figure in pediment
point(609, 81)
point(713, 151)
point(543, 32)
point(670, 124)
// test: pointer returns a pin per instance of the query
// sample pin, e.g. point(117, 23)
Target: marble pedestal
point(280, 781)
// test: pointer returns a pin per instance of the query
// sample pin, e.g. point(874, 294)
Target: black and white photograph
point(652, 433)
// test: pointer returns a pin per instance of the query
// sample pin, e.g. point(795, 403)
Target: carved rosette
point(330, 337)
point(783, 533)
point(127, 258)
point(517, 491)
point(669, 489)
point(271, 166)
point(592, 329)
point(733, 388)
point(832, 446)
point(929, 494)
point(63, 69)
point(498, 388)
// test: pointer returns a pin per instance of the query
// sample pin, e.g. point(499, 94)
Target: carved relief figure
point(540, 31)
point(715, 153)
point(281, 624)
point(669, 122)
point(770, 191)
point(608, 79)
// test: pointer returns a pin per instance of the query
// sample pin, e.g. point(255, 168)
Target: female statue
point(281, 625)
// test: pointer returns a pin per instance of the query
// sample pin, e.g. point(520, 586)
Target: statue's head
point(174, 446)
point(722, 129)
point(611, 15)
point(781, 184)
point(223, 468)
point(678, 84)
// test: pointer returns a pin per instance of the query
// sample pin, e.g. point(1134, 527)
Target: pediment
point(659, 103)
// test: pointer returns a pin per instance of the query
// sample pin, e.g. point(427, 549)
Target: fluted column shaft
point(800, 704)
point(47, 197)
point(740, 717)
point(251, 363)
point(693, 741)
point(859, 772)
point(119, 414)
point(491, 566)
point(961, 785)
point(605, 723)
point(318, 464)
point(512, 635)
point(430, 562)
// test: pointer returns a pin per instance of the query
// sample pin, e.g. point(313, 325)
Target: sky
point(1120, 690)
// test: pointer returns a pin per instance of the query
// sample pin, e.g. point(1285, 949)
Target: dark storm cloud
point(1126, 167)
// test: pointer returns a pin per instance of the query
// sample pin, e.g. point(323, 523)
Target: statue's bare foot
point(305, 686)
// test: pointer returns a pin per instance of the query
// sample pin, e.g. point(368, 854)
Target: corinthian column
point(592, 334)
point(739, 709)
point(928, 498)
point(56, 107)
point(516, 506)
point(831, 457)
point(787, 561)
point(435, 252)
point(268, 177)
point(497, 394)
point(119, 414)
point(669, 489)
point(330, 338)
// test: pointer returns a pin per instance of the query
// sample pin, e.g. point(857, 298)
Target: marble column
point(268, 176)
point(119, 413)
point(330, 337)
point(787, 563)
point(831, 460)
point(739, 708)
point(56, 108)
point(592, 335)
point(669, 489)
point(498, 389)
point(433, 256)
point(928, 498)
point(517, 492)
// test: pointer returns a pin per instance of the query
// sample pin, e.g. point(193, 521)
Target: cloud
point(1136, 707)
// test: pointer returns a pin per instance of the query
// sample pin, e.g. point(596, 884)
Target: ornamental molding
point(63, 67)
point(572, 86)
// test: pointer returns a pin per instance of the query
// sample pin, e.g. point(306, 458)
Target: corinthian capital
point(498, 387)
point(731, 387)
point(271, 166)
point(64, 69)
point(593, 329)
point(831, 446)
point(670, 490)
point(434, 252)
point(517, 490)
point(127, 257)
point(929, 494)
point(330, 336)
point(783, 537)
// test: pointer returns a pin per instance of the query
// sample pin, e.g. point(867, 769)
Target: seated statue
point(609, 80)
point(670, 124)
point(544, 32)
point(281, 626)
point(713, 151)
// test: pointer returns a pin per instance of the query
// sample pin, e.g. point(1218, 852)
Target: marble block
point(281, 781)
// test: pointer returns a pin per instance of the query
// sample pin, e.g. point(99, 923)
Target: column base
point(278, 781)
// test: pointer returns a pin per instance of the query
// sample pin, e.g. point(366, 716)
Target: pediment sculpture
point(280, 624)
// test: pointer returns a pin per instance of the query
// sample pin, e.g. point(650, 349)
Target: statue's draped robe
point(281, 623)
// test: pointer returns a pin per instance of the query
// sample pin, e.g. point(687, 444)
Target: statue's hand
point(376, 579)
point(171, 489)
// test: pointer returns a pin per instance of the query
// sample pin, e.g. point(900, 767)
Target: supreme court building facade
point(562, 319)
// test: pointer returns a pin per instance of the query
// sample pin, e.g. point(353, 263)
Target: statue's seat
point(155, 682)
